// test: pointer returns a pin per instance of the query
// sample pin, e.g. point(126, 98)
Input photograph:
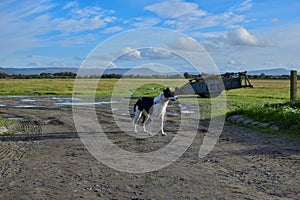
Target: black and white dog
point(151, 107)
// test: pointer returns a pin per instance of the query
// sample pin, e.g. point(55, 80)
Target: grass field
point(250, 101)
point(33, 87)
point(264, 91)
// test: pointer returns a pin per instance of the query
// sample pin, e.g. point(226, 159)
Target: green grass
point(269, 102)
point(105, 87)
point(4, 122)
point(285, 115)
point(264, 91)
point(30, 87)
point(249, 101)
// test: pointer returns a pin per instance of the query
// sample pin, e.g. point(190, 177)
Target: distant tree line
point(42, 75)
point(261, 76)
point(264, 76)
point(73, 75)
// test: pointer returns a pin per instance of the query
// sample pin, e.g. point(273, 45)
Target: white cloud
point(145, 53)
point(242, 36)
point(30, 24)
point(245, 5)
point(80, 25)
point(19, 33)
point(146, 22)
point(175, 8)
point(155, 53)
point(238, 37)
point(185, 16)
point(129, 53)
point(245, 54)
point(185, 44)
point(26, 8)
point(77, 40)
point(113, 29)
point(70, 5)
point(194, 23)
point(81, 19)
point(230, 20)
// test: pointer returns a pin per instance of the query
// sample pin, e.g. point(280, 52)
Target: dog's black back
point(144, 103)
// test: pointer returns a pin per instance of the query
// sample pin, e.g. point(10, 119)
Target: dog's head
point(169, 94)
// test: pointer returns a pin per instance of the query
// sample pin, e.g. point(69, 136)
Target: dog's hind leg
point(146, 118)
point(136, 118)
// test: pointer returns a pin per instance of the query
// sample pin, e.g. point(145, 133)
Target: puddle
point(20, 101)
point(187, 112)
point(66, 98)
point(29, 100)
point(83, 103)
point(28, 106)
point(172, 114)
point(17, 96)
point(16, 118)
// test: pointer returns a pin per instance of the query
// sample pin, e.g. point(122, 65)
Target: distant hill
point(272, 72)
point(37, 70)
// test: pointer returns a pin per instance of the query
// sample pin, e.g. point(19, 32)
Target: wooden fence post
point(293, 86)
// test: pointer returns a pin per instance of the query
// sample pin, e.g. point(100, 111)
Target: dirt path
point(56, 165)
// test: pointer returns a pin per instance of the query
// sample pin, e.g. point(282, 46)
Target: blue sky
point(238, 34)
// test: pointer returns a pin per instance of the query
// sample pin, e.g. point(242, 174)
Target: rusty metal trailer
point(207, 86)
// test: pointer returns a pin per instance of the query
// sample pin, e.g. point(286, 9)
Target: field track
point(55, 164)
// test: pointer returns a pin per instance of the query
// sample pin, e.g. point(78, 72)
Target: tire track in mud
point(11, 152)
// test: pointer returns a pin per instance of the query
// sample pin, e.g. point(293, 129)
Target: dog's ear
point(167, 90)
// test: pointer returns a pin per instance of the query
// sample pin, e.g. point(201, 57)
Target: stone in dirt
point(3, 130)
point(264, 125)
point(240, 119)
point(247, 121)
point(234, 118)
point(274, 128)
point(255, 123)
point(52, 121)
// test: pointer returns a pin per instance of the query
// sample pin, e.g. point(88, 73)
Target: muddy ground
point(53, 163)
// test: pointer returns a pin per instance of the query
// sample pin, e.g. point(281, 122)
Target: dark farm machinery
point(207, 86)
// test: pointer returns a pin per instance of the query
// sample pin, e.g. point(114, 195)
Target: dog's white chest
point(159, 109)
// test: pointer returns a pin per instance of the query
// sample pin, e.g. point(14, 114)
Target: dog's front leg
point(162, 125)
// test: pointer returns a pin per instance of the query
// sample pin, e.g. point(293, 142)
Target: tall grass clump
point(285, 115)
